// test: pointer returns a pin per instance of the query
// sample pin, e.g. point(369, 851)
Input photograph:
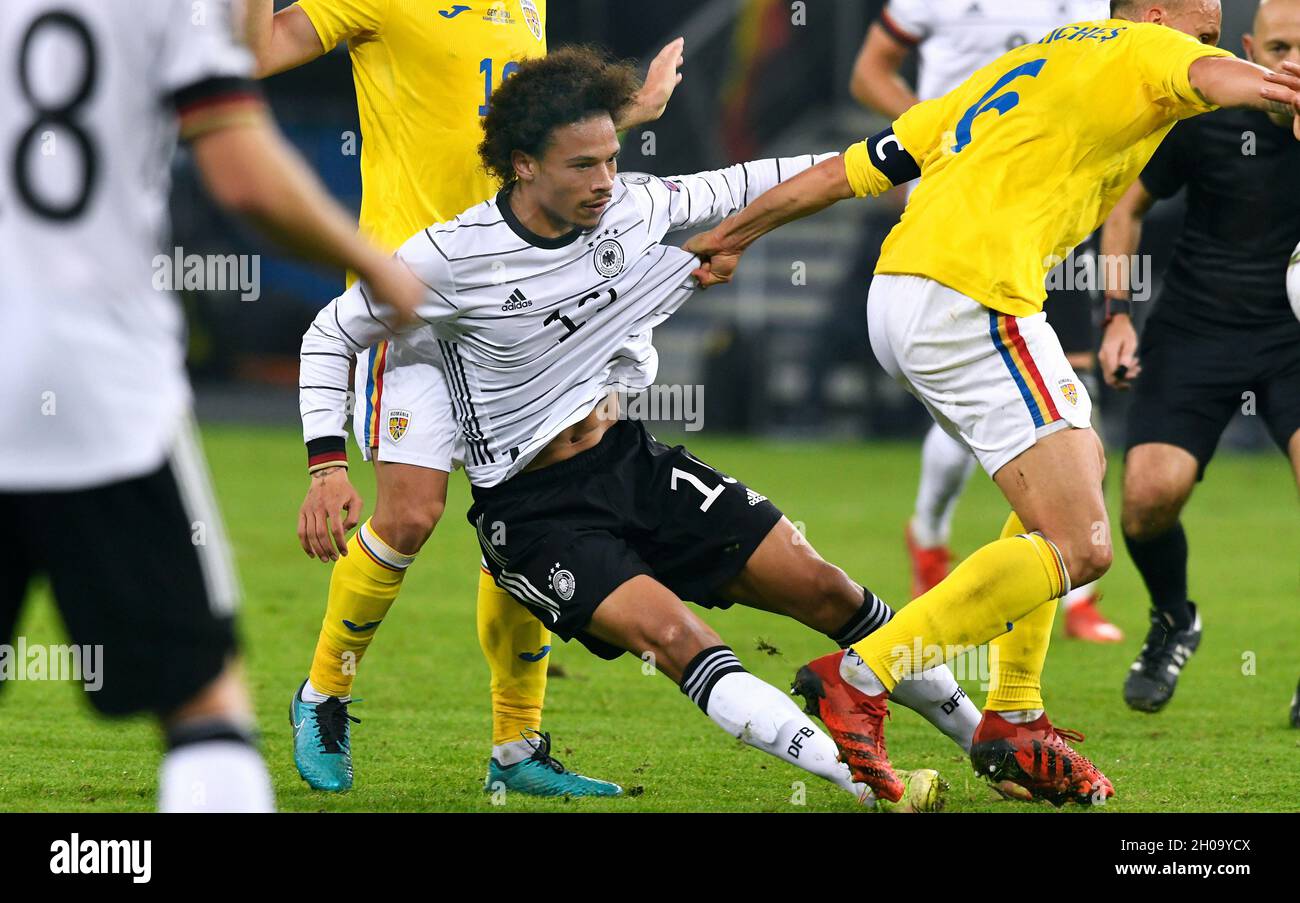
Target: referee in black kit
point(1222, 328)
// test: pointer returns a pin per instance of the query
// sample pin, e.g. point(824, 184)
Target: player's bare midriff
point(583, 435)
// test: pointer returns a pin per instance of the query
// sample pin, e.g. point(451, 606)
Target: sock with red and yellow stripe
point(363, 586)
point(996, 586)
point(1018, 656)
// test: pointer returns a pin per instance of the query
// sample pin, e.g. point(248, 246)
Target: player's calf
point(645, 618)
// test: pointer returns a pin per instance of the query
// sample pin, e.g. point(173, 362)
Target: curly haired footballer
point(568, 86)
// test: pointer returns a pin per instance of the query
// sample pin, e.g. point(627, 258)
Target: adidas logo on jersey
point(517, 301)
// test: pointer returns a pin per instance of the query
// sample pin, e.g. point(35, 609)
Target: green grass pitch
point(1223, 744)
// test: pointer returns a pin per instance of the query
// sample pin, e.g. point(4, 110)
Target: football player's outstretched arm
point(1237, 83)
point(865, 170)
point(279, 41)
point(704, 199)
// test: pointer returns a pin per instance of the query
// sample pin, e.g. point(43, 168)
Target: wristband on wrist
point(1117, 307)
point(326, 452)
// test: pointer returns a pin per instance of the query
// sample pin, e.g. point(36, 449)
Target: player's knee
point(1090, 562)
point(1085, 555)
point(408, 527)
point(1150, 508)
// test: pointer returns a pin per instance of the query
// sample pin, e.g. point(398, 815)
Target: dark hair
point(568, 86)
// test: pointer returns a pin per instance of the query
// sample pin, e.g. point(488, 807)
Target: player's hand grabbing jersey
point(1037, 147)
point(534, 332)
point(93, 387)
point(423, 74)
point(956, 37)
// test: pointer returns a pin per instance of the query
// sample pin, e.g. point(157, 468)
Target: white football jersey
point(92, 384)
point(534, 332)
point(957, 37)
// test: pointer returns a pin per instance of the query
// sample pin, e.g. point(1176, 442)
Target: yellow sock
point(999, 584)
point(1019, 655)
point(516, 646)
point(362, 589)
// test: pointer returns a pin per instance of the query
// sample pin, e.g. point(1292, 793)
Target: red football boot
point(929, 566)
point(1036, 756)
point(855, 720)
point(1083, 621)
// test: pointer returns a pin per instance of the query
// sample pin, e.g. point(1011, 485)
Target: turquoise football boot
point(542, 775)
point(322, 746)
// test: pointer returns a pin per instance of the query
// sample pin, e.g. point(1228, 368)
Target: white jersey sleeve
point(203, 42)
point(911, 21)
point(350, 324)
point(705, 199)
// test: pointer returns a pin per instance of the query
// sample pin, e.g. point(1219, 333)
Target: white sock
point(1022, 716)
point(946, 465)
point(763, 717)
point(1081, 594)
point(933, 694)
point(214, 776)
point(314, 696)
point(856, 673)
point(508, 754)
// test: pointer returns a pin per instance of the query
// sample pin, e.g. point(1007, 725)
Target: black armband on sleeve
point(327, 451)
point(891, 158)
point(213, 91)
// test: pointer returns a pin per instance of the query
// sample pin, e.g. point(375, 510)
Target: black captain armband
point(891, 158)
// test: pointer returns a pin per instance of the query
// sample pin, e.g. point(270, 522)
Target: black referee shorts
point(1069, 313)
point(1192, 385)
point(562, 538)
point(139, 568)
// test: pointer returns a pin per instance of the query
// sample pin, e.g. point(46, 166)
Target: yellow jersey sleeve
point(918, 133)
point(866, 180)
point(922, 128)
point(342, 20)
point(1164, 56)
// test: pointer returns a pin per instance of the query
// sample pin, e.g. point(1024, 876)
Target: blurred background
point(783, 351)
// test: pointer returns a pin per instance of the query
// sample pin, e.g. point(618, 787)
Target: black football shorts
point(1193, 384)
point(140, 571)
point(562, 538)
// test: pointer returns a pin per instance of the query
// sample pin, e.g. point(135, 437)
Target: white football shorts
point(403, 412)
point(994, 382)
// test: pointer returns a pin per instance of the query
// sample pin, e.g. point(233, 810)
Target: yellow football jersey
point(1029, 155)
point(424, 70)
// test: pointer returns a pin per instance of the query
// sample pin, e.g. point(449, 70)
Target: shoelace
point(542, 751)
point(1078, 758)
point(332, 719)
point(1159, 650)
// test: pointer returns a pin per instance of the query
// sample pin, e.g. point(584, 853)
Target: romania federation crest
point(532, 18)
point(1070, 391)
point(398, 421)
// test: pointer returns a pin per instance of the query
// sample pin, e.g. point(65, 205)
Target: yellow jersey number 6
point(1002, 104)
